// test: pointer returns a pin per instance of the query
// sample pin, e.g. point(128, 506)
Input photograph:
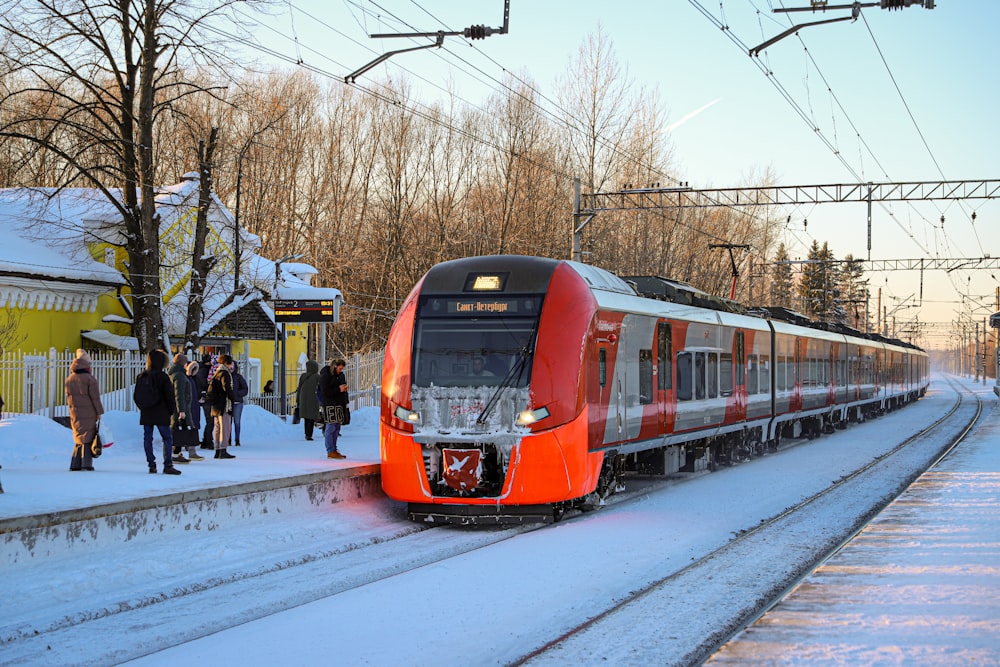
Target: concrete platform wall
point(116, 524)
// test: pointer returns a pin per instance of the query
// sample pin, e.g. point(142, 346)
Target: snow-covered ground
point(490, 605)
point(919, 586)
point(35, 453)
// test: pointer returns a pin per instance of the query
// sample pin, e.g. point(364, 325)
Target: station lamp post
point(280, 378)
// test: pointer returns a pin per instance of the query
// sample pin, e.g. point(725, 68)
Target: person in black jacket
point(220, 397)
point(204, 375)
point(159, 414)
point(332, 393)
point(240, 388)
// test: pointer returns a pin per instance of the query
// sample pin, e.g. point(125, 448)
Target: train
point(517, 388)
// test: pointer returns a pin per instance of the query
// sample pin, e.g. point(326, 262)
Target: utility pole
point(579, 222)
point(975, 359)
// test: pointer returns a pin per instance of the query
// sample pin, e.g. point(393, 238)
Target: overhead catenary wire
point(434, 118)
point(769, 74)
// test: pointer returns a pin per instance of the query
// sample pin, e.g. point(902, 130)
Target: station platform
point(920, 585)
point(46, 509)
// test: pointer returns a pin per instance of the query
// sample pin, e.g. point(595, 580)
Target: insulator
point(477, 32)
point(899, 4)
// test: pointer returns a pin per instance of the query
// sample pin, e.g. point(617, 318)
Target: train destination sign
point(303, 310)
point(482, 306)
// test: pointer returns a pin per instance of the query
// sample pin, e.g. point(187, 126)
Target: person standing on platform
point(204, 377)
point(220, 397)
point(305, 397)
point(333, 392)
point(182, 400)
point(240, 388)
point(194, 408)
point(154, 395)
point(83, 396)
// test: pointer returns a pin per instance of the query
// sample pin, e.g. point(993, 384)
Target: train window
point(765, 374)
point(726, 374)
point(445, 351)
point(699, 375)
point(712, 374)
point(645, 377)
point(684, 376)
point(752, 372)
point(603, 363)
point(739, 359)
point(782, 373)
point(664, 356)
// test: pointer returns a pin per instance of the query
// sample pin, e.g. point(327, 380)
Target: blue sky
point(729, 121)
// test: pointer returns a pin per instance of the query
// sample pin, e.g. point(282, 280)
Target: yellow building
point(63, 280)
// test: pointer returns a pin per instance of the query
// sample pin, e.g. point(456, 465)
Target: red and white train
point(515, 388)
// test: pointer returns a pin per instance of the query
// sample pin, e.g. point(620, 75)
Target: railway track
point(619, 633)
point(295, 574)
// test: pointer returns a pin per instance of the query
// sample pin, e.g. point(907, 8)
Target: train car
point(516, 388)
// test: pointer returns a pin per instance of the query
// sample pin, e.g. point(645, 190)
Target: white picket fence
point(32, 383)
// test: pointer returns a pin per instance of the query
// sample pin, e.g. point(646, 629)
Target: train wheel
point(558, 512)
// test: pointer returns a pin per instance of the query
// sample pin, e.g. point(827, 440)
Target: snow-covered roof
point(58, 247)
point(111, 340)
point(46, 234)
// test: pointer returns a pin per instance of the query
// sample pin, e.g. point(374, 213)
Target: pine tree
point(818, 286)
point(855, 290)
point(782, 282)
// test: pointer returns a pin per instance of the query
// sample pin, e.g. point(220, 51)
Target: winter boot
point(170, 470)
point(217, 453)
point(225, 455)
point(179, 458)
point(152, 468)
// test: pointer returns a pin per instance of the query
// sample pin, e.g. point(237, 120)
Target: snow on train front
point(483, 417)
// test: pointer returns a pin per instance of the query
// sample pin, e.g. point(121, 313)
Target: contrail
point(674, 126)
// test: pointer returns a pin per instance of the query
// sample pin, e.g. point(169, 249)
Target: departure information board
point(303, 310)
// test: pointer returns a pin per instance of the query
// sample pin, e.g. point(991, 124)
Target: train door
point(664, 377)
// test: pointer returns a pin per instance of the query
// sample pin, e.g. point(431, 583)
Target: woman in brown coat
point(83, 397)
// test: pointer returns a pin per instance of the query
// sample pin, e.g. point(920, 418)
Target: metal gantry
point(633, 199)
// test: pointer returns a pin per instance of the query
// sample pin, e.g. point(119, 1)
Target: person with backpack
point(240, 388)
point(220, 397)
point(154, 396)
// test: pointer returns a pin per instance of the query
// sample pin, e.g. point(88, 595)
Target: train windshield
point(458, 345)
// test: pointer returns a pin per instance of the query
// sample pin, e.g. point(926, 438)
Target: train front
point(483, 417)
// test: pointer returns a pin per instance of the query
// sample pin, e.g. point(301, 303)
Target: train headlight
point(408, 416)
point(529, 417)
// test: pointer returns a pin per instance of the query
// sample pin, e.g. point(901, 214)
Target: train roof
point(634, 293)
point(683, 294)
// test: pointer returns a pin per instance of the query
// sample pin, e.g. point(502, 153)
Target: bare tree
point(108, 69)
point(201, 263)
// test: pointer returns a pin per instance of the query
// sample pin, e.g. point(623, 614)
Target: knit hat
point(82, 359)
point(181, 358)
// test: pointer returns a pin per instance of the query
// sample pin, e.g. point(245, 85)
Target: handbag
point(338, 414)
point(97, 444)
point(295, 415)
point(185, 435)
